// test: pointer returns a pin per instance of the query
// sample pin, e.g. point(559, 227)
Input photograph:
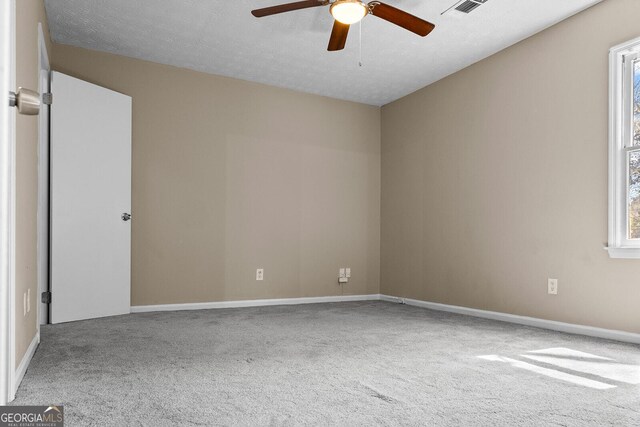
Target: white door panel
point(90, 190)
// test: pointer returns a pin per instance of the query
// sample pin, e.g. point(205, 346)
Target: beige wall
point(28, 14)
point(495, 179)
point(229, 176)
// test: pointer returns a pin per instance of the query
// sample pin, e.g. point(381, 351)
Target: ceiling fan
point(347, 12)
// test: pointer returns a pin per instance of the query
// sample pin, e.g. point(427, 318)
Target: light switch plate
point(342, 274)
point(348, 272)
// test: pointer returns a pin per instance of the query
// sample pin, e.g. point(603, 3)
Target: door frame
point(7, 200)
point(43, 221)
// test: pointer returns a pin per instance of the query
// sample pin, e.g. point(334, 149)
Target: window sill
point(624, 252)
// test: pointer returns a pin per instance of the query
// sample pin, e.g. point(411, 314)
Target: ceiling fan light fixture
point(348, 11)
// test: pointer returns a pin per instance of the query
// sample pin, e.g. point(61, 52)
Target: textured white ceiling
point(289, 50)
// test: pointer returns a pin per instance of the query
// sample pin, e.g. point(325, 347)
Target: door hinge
point(46, 297)
point(47, 98)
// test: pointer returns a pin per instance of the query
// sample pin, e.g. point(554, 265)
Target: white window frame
point(621, 60)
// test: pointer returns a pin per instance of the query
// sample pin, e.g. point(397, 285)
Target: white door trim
point(7, 201)
point(43, 179)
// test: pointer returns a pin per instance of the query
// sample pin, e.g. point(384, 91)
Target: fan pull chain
point(360, 30)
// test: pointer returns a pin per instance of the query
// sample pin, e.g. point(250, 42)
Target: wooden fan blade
point(338, 36)
point(401, 18)
point(273, 10)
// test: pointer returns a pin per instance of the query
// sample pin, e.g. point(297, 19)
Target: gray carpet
point(369, 363)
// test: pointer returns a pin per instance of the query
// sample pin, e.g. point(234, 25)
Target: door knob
point(26, 101)
point(126, 216)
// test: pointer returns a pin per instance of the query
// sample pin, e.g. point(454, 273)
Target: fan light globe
point(348, 11)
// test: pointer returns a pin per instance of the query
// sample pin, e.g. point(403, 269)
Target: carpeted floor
point(368, 363)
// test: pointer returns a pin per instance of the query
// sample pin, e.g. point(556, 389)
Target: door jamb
point(43, 181)
point(7, 200)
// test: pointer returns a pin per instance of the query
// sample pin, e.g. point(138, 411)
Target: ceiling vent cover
point(467, 6)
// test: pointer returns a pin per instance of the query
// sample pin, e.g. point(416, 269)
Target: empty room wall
point(495, 179)
point(231, 176)
point(28, 14)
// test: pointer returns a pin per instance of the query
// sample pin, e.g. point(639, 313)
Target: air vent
point(466, 6)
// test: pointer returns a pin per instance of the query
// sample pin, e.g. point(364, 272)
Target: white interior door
point(90, 192)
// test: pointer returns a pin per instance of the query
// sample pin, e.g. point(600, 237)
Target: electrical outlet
point(347, 272)
point(342, 274)
point(260, 274)
point(343, 280)
point(28, 300)
point(552, 286)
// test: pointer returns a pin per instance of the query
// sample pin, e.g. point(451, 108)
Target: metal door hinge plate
point(46, 297)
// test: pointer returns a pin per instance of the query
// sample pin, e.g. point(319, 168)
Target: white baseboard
point(493, 315)
point(24, 364)
point(252, 303)
point(522, 320)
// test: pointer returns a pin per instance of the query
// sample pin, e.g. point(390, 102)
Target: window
point(634, 159)
point(624, 151)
